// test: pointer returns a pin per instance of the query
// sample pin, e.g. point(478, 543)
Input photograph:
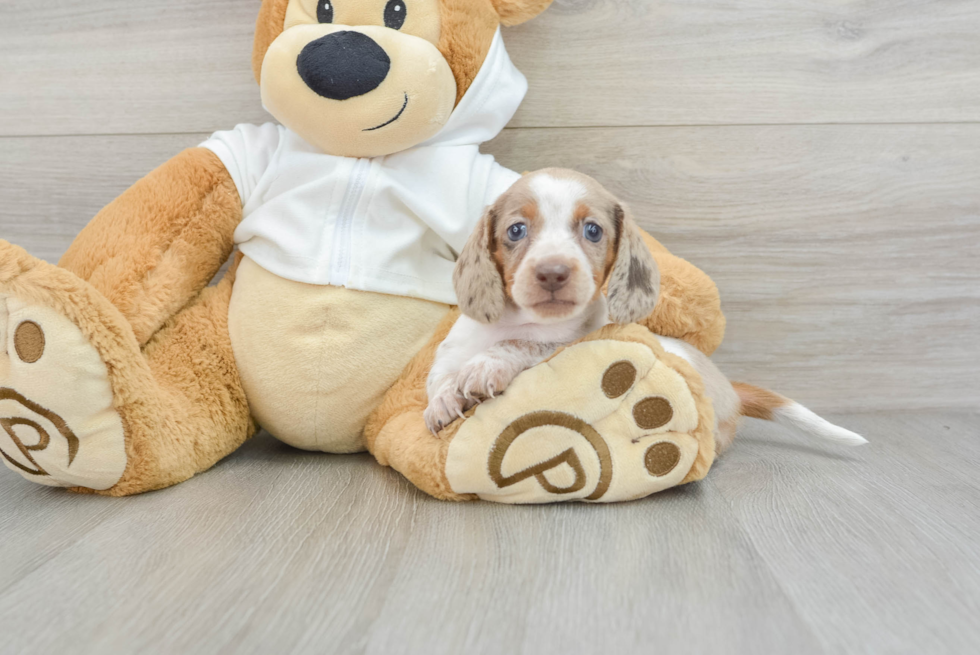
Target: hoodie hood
point(488, 105)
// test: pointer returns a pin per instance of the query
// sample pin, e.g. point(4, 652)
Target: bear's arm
point(689, 307)
point(155, 247)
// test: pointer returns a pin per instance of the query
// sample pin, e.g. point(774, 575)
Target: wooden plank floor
point(787, 547)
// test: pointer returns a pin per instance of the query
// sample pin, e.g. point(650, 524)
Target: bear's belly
point(315, 361)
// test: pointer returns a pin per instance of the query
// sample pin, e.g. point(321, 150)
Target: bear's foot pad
point(603, 421)
point(58, 426)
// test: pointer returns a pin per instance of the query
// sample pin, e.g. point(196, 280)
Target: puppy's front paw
point(486, 376)
point(443, 409)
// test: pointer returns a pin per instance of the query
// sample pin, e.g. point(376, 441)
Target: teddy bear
point(123, 369)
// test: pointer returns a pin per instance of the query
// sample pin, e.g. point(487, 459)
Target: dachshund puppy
point(530, 280)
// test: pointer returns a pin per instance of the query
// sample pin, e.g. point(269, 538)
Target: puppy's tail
point(770, 406)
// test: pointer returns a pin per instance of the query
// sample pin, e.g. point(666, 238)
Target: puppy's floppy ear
point(634, 283)
point(515, 12)
point(479, 287)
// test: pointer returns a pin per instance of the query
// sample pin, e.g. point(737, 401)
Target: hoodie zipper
point(341, 256)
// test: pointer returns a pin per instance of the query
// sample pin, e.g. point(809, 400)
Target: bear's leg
point(154, 248)
point(84, 406)
point(205, 414)
point(611, 418)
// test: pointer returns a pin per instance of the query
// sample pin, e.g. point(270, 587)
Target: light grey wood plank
point(875, 547)
point(272, 537)
point(633, 578)
point(39, 523)
point(846, 256)
point(788, 546)
point(108, 66)
point(678, 62)
point(278, 551)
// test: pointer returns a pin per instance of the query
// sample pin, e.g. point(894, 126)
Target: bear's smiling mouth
point(397, 116)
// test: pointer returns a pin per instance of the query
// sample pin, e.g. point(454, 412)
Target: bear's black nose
point(343, 65)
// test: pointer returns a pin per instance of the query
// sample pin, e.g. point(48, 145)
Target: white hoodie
point(392, 224)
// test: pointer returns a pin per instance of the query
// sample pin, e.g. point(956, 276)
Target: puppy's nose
point(552, 276)
point(343, 65)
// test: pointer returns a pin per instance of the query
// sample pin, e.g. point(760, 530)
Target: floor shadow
point(826, 453)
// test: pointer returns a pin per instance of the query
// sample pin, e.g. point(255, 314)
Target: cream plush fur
point(170, 375)
point(305, 368)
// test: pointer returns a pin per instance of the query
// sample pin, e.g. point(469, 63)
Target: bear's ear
point(268, 27)
point(515, 12)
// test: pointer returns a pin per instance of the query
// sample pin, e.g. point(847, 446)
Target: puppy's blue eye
point(517, 231)
point(593, 232)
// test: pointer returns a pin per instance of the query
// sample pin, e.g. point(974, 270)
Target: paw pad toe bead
point(618, 379)
point(662, 458)
point(652, 413)
point(29, 342)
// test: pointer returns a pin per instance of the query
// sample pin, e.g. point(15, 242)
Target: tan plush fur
point(268, 26)
point(467, 32)
point(156, 246)
point(180, 401)
point(689, 307)
point(515, 12)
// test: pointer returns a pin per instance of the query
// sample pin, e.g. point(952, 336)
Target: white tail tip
point(797, 416)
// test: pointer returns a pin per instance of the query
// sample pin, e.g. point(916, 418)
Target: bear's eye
point(324, 11)
point(395, 14)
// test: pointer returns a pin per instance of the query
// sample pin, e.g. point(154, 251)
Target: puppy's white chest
point(523, 328)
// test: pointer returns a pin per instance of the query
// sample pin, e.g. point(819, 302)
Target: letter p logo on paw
point(58, 425)
point(20, 416)
point(603, 421)
point(556, 423)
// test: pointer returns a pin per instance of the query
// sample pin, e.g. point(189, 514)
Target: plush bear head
point(366, 78)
